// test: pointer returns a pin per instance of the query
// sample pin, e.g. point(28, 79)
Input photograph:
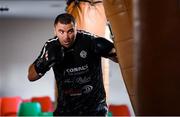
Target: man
point(75, 57)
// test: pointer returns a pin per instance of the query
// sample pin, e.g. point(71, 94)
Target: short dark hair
point(64, 18)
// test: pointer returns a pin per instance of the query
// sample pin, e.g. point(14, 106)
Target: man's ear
point(55, 31)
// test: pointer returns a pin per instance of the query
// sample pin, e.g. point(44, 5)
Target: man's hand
point(52, 56)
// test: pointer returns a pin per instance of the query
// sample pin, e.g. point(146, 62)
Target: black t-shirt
point(79, 74)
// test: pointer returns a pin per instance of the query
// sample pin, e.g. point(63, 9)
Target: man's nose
point(65, 35)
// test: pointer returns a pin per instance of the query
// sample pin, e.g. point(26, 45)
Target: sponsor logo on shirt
point(72, 92)
point(82, 80)
point(87, 89)
point(77, 69)
point(79, 80)
point(77, 92)
point(83, 54)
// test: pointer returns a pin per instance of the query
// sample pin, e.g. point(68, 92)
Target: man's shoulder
point(52, 41)
point(86, 33)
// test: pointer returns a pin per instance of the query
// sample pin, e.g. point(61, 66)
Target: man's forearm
point(113, 55)
point(32, 74)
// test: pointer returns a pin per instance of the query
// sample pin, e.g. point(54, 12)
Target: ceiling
point(32, 8)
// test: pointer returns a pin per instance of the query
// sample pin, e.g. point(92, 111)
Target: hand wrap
point(49, 56)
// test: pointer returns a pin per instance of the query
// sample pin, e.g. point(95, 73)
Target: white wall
point(20, 43)
point(117, 90)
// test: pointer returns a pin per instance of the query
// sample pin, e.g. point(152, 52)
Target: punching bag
point(119, 13)
point(89, 14)
point(157, 46)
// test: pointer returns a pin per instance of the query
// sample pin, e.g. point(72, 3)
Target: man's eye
point(71, 31)
point(61, 32)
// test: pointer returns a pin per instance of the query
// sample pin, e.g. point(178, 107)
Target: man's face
point(66, 33)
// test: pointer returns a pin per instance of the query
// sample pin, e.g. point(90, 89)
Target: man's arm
point(38, 68)
point(32, 74)
point(105, 48)
point(113, 56)
point(49, 56)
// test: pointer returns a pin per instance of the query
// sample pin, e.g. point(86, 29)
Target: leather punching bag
point(157, 50)
point(119, 13)
point(89, 14)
